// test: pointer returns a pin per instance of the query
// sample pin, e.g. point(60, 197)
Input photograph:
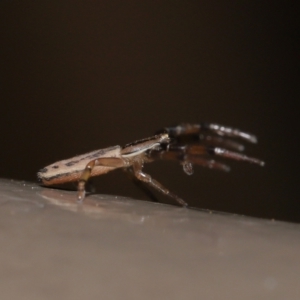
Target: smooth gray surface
point(117, 248)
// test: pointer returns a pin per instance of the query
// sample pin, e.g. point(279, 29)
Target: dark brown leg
point(202, 150)
point(185, 129)
point(196, 154)
point(218, 141)
point(140, 175)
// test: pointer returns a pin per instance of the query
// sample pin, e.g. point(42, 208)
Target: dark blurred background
point(81, 75)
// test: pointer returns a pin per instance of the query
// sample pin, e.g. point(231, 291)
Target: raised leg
point(204, 150)
point(113, 162)
point(194, 143)
point(140, 175)
point(197, 154)
point(185, 129)
point(218, 141)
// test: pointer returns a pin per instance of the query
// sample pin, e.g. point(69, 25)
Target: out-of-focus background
point(76, 76)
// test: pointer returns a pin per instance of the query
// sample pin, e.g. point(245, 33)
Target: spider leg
point(204, 150)
point(196, 154)
point(184, 129)
point(140, 184)
point(203, 162)
point(140, 175)
point(210, 140)
point(113, 162)
point(220, 142)
point(187, 161)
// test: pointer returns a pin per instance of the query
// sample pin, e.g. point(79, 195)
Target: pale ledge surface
point(119, 248)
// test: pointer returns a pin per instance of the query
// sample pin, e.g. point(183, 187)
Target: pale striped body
point(69, 170)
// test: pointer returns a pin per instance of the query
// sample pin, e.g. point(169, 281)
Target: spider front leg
point(140, 175)
point(195, 150)
point(113, 162)
point(180, 153)
point(197, 154)
point(195, 130)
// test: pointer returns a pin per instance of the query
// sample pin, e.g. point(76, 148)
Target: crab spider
point(190, 144)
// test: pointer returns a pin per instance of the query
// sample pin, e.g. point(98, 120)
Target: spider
point(190, 144)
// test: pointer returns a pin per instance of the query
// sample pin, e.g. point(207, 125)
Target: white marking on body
point(140, 151)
